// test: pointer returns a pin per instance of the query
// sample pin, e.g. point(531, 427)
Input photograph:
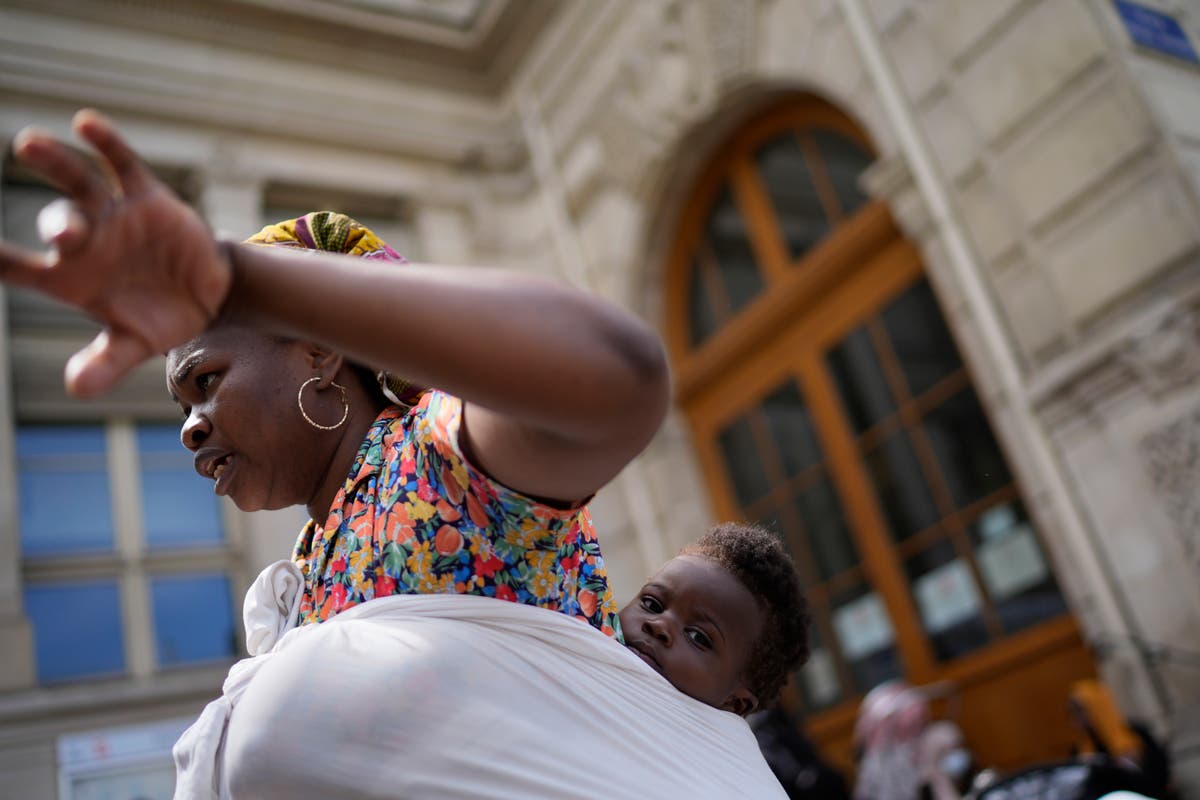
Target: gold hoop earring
point(309, 420)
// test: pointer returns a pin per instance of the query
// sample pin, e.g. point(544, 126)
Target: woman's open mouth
point(222, 474)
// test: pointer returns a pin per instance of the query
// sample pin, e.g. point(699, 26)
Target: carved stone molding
point(1164, 351)
point(1156, 353)
point(889, 179)
point(731, 37)
point(663, 83)
point(1171, 457)
point(481, 57)
point(68, 55)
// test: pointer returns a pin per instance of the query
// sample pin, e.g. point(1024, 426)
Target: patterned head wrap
point(331, 232)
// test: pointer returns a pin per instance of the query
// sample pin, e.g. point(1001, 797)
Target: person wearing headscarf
point(274, 348)
point(274, 354)
point(382, 535)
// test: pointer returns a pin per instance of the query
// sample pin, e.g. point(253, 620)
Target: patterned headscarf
point(332, 232)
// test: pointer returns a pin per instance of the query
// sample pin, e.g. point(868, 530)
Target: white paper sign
point(1012, 564)
point(863, 627)
point(946, 596)
point(996, 522)
point(820, 677)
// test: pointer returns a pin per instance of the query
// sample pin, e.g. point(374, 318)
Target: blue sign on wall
point(1156, 31)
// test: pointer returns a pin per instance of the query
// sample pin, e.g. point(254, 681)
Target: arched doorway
point(828, 399)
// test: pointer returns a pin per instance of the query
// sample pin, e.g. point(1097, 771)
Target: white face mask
point(955, 764)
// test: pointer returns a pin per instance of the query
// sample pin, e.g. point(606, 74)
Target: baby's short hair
point(758, 559)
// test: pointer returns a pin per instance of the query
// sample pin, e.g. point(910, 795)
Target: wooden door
point(828, 400)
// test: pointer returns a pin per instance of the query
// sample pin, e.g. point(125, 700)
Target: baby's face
point(696, 625)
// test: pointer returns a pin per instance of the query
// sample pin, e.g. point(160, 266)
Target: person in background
point(902, 754)
point(278, 355)
point(886, 736)
point(1125, 755)
point(800, 769)
point(946, 766)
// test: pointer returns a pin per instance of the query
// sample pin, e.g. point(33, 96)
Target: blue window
point(179, 508)
point(67, 499)
point(77, 629)
point(63, 490)
point(193, 618)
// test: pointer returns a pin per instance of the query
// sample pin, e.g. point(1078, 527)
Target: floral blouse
point(415, 517)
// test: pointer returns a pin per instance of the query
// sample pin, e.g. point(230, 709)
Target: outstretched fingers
point(99, 131)
point(62, 226)
point(64, 167)
point(101, 365)
point(19, 267)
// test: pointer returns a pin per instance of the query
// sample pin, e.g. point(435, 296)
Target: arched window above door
point(828, 400)
point(773, 197)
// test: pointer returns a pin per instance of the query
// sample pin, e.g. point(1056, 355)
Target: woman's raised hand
point(131, 255)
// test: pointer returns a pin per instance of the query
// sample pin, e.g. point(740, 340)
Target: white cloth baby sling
point(454, 696)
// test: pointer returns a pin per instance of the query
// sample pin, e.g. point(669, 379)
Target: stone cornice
point(28, 712)
point(404, 27)
point(38, 394)
point(1154, 351)
point(480, 60)
point(81, 62)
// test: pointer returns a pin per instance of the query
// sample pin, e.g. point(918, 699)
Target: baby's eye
point(651, 604)
point(699, 638)
point(204, 381)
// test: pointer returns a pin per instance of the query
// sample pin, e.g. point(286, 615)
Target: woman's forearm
point(553, 358)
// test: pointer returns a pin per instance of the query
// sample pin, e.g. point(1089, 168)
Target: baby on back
point(725, 621)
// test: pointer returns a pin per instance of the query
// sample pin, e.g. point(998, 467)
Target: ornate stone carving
point(661, 78)
point(1172, 459)
point(730, 34)
point(663, 84)
point(1164, 351)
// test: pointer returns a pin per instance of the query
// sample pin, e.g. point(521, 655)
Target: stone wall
point(1070, 162)
point(1070, 159)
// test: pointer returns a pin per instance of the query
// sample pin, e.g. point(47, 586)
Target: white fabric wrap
point(456, 696)
point(271, 606)
point(270, 609)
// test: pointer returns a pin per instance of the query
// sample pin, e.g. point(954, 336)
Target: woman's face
point(237, 389)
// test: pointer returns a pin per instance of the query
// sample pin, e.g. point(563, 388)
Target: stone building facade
point(1041, 162)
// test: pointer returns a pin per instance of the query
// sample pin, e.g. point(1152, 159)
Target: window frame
point(808, 304)
point(133, 564)
point(734, 164)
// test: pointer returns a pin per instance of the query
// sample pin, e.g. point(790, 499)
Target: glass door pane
point(1013, 567)
point(779, 476)
point(844, 161)
point(918, 336)
point(948, 600)
point(789, 184)
point(865, 636)
point(828, 536)
point(904, 496)
point(861, 382)
point(744, 462)
point(968, 553)
point(819, 679)
point(966, 451)
point(728, 240)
